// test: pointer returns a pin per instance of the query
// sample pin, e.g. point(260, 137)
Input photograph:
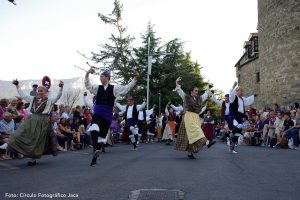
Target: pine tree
point(117, 53)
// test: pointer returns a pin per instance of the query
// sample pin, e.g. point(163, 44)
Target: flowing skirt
point(208, 130)
point(190, 135)
point(169, 132)
point(32, 136)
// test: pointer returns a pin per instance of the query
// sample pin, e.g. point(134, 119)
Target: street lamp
point(150, 56)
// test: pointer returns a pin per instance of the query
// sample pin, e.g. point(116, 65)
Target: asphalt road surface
point(255, 173)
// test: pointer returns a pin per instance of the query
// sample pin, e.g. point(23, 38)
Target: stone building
point(270, 64)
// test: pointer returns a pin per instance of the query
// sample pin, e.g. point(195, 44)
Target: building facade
point(270, 65)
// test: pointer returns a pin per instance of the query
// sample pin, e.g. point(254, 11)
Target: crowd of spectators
point(275, 126)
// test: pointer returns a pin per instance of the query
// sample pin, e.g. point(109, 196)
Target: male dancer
point(225, 105)
point(225, 113)
point(142, 122)
point(103, 109)
point(237, 112)
point(131, 112)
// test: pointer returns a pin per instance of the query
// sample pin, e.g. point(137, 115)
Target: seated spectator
point(259, 126)
point(275, 108)
point(12, 107)
point(269, 128)
point(279, 124)
point(7, 127)
point(54, 116)
point(3, 107)
point(292, 134)
point(287, 124)
point(65, 129)
point(84, 136)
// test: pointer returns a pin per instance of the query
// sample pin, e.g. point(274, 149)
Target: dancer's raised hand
point(15, 82)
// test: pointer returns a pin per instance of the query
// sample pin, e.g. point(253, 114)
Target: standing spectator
point(34, 92)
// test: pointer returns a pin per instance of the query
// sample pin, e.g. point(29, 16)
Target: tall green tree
point(117, 53)
point(123, 59)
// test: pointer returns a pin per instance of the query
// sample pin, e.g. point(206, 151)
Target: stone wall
point(279, 54)
point(279, 50)
point(247, 79)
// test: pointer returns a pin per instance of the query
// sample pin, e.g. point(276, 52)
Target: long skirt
point(190, 138)
point(159, 132)
point(208, 130)
point(32, 136)
point(169, 132)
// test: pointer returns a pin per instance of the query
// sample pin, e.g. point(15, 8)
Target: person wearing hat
point(103, 108)
point(34, 92)
point(237, 112)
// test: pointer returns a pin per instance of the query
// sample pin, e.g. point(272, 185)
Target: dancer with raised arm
point(32, 137)
point(103, 109)
point(190, 135)
point(237, 112)
point(130, 113)
point(169, 132)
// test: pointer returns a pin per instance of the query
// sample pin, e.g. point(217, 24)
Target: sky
point(39, 38)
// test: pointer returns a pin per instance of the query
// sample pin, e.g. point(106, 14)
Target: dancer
point(208, 126)
point(130, 113)
point(169, 131)
point(32, 137)
point(179, 115)
point(237, 112)
point(152, 124)
point(190, 135)
point(103, 109)
point(142, 122)
point(225, 108)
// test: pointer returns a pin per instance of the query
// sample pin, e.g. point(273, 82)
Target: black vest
point(105, 97)
point(223, 109)
point(135, 113)
point(234, 106)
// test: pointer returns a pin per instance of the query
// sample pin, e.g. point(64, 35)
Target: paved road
point(256, 173)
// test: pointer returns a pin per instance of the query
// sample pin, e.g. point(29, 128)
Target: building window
point(254, 44)
point(239, 79)
point(257, 77)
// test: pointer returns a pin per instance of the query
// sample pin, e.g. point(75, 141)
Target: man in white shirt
point(142, 122)
point(225, 107)
point(130, 113)
point(103, 108)
point(237, 111)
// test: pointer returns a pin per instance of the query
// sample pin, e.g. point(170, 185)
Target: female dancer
point(190, 135)
point(32, 136)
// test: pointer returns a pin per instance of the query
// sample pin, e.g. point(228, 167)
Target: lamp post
point(150, 56)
